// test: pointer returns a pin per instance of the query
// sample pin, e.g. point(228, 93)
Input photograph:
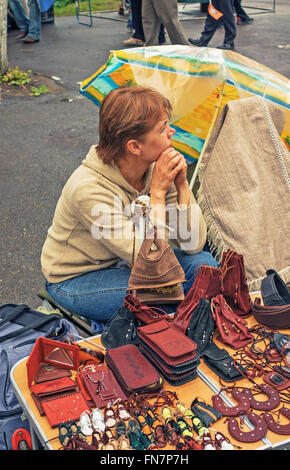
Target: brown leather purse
point(274, 317)
point(156, 276)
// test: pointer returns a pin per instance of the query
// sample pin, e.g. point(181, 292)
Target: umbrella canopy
point(197, 81)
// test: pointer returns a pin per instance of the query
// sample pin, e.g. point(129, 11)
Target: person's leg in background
point(242, 17)
point(21, 19)
point(167, 12)
point(151, 23)
point(34, 31)
point(228, 22)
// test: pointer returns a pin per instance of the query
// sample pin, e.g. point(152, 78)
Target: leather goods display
point(233, 330)
point(144, 314)
point(274, 290)
point(206, 285)
point(277, 427)
point(55, 353)
point(243, 404)
point(52, 389)
point(276, 380)
point(174, 375)
point(256, 434)
point(133, 371)
point(156, 275)
point(172, 346)
point(171, 352)
point(120, 330)
point(66, 408)
point(47, 372)
point(222, 363)
point(274, 317)
point(234, 285)
point(101, 384)
point(201, 325)
point(206, 413)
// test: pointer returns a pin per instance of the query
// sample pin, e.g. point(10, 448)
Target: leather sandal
point(172, 432)
point(97, 419)
point(85, 423)
point(124, 443)
point(223, 442)
point(97, 440)
point(185, 429)
point(109, 415)
point(120, 428)
point(166, 414)
point(121, 412)
point(159, 436)
point(109, 441)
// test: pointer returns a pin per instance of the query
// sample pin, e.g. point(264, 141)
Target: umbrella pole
point(213, 121)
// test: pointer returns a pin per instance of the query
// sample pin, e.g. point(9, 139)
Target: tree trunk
point(3, 36)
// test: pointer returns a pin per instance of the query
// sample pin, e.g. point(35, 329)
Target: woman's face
point(157, 140)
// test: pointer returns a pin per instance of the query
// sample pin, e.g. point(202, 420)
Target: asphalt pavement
point(43, 139)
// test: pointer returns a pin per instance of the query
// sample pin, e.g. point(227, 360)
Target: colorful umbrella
point(198, 82)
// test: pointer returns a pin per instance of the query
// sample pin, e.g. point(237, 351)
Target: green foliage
point(68, 8)
point(15, 76)
point(39, 91)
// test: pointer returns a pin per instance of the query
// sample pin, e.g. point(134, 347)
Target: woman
point(88, 251)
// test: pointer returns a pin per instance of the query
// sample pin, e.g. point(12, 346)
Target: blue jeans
point(33, 24)
point(98, 295)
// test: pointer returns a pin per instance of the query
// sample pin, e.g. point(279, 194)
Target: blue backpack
point(20, 326)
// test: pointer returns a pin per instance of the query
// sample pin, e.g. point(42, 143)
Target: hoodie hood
point(111, 171)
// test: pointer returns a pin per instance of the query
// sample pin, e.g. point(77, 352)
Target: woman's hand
point(170, 167)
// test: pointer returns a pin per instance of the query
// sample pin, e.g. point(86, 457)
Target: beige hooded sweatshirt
point(92, 227)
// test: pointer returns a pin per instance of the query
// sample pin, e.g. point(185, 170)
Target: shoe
point(21, 35)
point(122, 412)
point(222, 442)
point(227, 46)
point(109, 415)
point(207, 442)
point(197, 42)
point(245, 21)
point(133, 42)
point(85, 423)
point(29, 40)
point(97, 420)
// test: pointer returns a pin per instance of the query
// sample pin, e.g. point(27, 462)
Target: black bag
point(120, 330)
point(222, 363)
point(201, 325)
point(20, 326)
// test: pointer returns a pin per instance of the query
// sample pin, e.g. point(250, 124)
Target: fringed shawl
point(244, 189)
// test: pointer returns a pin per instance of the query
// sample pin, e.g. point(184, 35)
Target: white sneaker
point(85, 423)
point(98, 420)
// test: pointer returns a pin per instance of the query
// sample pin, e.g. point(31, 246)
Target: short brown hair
point(126, 113)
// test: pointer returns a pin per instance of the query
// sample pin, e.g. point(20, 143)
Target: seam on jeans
point(86, 294)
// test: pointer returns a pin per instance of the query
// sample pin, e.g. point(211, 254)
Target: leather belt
point(274, 290)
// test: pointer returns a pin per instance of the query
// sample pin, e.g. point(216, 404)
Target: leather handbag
point(133, 371)
point(144, 314)
point(171, 345)
point(274, 317)
point(156, 276)
point(201, 325)
point(274, 290)
point(101, 384)
point(234, 285)
point(233, 330)
point(206, 285)
point(120, 330)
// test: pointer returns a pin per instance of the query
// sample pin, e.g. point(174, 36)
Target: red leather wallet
point(66, 408)
point(133, 371)
point(170, 344)
point(53, 386)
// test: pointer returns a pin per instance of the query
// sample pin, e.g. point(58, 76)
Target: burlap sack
point(245, 188)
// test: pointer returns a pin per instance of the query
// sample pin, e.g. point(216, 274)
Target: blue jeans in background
point(31, 25)
point(98, 295)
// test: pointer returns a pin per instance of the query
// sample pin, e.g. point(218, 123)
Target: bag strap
point(21, 331)
point(14, 314)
